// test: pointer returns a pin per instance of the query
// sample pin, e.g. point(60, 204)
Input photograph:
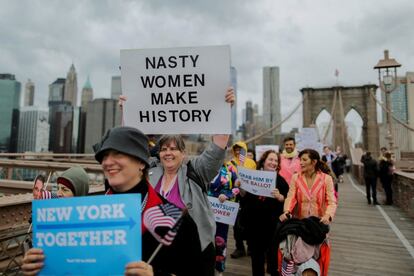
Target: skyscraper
point(87, 97)
point(103, 114)
point(271, 97)
point(402, 106)
point(33, 132)
point(116, 88)
point(57, 90)
point(61, 125)
point(29, 93)
point(71, 87)
point(10, 90)
point(87, 94)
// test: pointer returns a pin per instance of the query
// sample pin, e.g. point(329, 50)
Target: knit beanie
point(127, 140)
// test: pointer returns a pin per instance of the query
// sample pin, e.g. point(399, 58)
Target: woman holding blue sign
point(261, 216)
point(124, 156)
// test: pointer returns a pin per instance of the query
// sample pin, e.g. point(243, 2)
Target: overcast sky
point(307, 39)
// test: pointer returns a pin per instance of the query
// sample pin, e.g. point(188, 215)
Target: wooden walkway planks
point(362, 241)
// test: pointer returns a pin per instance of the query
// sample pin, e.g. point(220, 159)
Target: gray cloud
point(308, 40)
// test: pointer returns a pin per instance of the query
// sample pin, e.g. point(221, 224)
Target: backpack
point(191, 174)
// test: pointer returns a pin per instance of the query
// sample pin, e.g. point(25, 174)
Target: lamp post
point(387, 76)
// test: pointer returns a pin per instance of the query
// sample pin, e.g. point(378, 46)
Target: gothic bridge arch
point(345, 99)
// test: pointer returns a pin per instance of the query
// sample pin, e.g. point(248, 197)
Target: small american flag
point(287, 268)
point(242, 156)
point(163, 221)
point(47, 195)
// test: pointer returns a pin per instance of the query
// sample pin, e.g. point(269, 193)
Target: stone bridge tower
point(315, 100)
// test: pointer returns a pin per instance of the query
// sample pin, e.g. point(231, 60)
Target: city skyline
point(307, 40)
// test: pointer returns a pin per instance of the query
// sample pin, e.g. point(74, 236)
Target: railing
point(12, 249)
point(402, 186)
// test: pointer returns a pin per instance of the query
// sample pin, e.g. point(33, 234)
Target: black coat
point(309, 229)
point(183, 256)
point(370, 167)
point(261, 214)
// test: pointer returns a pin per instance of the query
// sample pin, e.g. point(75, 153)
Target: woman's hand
point(121, 101)
point(285, 216)
point(237, 183)
point(139, 269)
point(222, 198)
point(326, 219)
point(230, 96)
point(33, 261)
point(276, 194)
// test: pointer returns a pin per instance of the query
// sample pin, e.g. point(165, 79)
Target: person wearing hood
point(239, 151)
point(73, 182)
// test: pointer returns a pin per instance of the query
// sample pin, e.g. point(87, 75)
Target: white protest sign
point(177, 90)
point(309, 134)
point(307, 138)
point(225, 212)
point(260, 183)
point(263, 148)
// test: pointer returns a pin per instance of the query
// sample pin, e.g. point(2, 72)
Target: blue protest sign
point(94, 235)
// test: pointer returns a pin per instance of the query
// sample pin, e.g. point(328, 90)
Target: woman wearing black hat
point(124, 156)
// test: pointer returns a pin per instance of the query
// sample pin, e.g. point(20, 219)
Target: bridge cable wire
point(330, 121)
point(344, 135)
point(275, 125)
point(389, 111)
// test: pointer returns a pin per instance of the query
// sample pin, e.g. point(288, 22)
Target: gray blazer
point(206, 166)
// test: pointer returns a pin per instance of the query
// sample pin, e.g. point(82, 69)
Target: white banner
point(225, 212)
point(263, 148)
point(177, 90)
point(260, 183)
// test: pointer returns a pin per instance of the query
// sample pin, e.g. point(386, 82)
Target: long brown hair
point(263, 158)
point(314, 155)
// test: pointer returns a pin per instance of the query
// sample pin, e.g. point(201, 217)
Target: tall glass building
point(271, 97)
point(10, 91)
point(33, 129)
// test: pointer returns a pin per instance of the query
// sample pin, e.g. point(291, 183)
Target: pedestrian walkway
point(366, 239)
point(370, 239)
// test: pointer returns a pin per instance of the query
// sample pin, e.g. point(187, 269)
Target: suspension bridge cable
point(274, 126)
point(345, 142)
point(389, 111)
point(331, 121)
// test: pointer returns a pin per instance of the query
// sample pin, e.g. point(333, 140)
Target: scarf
point(291, 155)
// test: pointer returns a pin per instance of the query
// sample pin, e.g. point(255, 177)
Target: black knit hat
point(127, 140)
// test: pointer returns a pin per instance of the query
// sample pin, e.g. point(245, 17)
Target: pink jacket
point(317, 200)
point(288, 167)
